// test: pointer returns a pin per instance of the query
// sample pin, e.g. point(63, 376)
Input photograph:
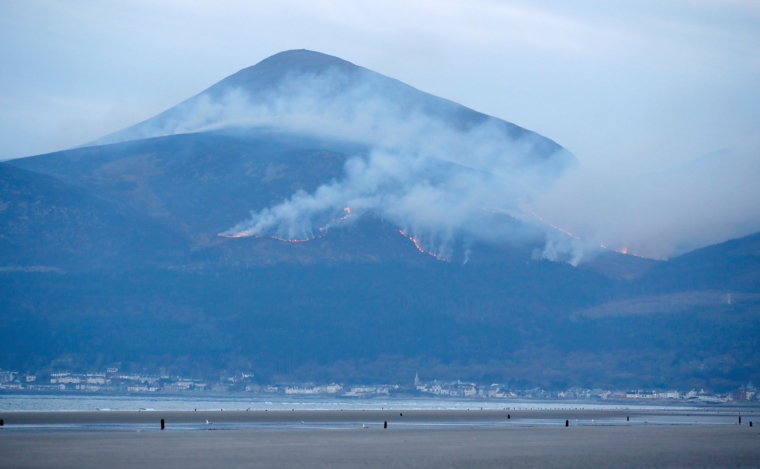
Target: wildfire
point(243, 235)
point(293, 240)
point(420, 249)
point(416, 243)
point(236, 235)
point(561, 230)
point(625, 251)
point(497, 212)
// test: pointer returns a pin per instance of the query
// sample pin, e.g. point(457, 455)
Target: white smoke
point(448, 184)
point(660, 215)
point(444, 185)
point(433, 203)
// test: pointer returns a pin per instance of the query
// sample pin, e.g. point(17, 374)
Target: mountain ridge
point(110, 253)
point(264, 78)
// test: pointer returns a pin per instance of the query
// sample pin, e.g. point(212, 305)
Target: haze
point(631, 89)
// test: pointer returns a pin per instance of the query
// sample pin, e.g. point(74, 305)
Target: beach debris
point(209, 423)
point(162, 424)
point(385, 424)
point(567, 423)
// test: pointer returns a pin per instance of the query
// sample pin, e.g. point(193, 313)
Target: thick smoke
point(445, 181)
point(449, 181)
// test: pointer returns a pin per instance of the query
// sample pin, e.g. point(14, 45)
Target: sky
point(658, 100)
point(628, 87)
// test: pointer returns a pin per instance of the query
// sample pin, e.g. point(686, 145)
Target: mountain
point(296, 82)
point(111, 252)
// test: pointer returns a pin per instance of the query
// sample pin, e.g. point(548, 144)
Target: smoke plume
point(449, 177)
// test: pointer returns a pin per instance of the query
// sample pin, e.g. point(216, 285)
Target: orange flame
point(236, 235)
point(561, 230)
point(420, 249)
point(292, 240)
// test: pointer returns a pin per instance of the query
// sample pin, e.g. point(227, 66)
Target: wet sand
point(328, 439)
point(519, 447)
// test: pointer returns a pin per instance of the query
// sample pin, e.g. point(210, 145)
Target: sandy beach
point(586, 447)
point(322, 439)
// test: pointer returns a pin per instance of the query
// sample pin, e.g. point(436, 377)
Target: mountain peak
point(310, 93)
point(273, 70)
point(303, 60)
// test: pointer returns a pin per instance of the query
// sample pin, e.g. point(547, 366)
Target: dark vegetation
point(112, 256)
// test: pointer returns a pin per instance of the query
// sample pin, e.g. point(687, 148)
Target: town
point(112, 380)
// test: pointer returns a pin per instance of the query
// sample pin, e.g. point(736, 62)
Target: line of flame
point(562, 230)
point(293, 240)
point(419, 248)
point(237, 235)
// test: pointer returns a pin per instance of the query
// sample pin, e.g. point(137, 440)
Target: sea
point(94, 402)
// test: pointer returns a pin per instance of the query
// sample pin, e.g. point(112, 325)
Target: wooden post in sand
point(162, 424)
point(385, 424)
point(740, 420)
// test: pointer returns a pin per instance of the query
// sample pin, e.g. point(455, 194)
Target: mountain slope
point(284, 77)
point(111, 253)
point(47, 225)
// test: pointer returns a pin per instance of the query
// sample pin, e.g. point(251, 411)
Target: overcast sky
point(626, 86)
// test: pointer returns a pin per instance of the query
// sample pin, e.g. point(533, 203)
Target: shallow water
point(90, 402)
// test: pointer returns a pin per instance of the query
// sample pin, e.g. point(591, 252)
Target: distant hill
point(110, 253)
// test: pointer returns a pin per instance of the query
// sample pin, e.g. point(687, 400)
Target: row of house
point(113, 380)
point(462, 389)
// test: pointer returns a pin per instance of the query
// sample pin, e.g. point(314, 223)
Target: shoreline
point(628, 416)
point(370, 401)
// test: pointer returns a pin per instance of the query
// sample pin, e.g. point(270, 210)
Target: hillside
point(112, 253)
